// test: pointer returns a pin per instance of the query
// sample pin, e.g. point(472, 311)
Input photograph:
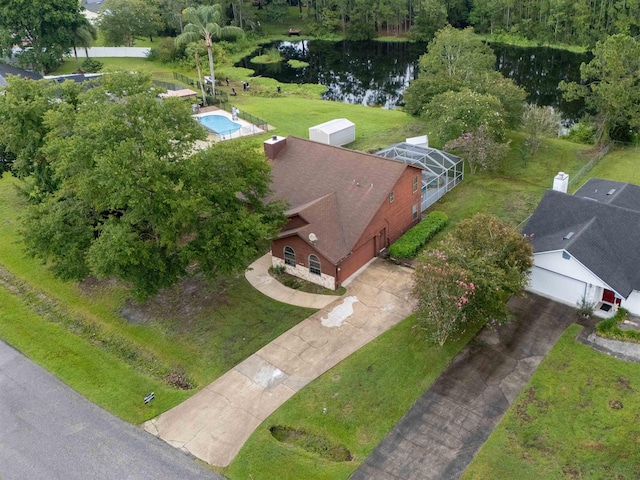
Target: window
point(414, 212)
point(566, 256)
point(289, 256)
point(391, 197)
point(314, 265)
point(415, 183)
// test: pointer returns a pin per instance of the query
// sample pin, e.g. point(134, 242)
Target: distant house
point(6, 70)
point(586, 245)
point(344, 207)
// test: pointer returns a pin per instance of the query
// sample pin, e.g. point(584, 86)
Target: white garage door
point(550, 284)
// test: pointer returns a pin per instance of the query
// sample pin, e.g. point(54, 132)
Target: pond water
point(376, 73)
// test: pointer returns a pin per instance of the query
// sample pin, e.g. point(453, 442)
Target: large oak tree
point(135, 202)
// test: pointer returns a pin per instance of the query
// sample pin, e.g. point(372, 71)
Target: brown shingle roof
point(337, 190)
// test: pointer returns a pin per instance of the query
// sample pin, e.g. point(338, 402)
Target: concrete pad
point(215, 423)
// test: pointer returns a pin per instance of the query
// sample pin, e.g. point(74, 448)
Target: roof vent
point(611, 192)
point(568, 236)
point(313, 238)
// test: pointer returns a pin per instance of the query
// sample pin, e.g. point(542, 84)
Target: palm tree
point(82, 35)
point(204, 22)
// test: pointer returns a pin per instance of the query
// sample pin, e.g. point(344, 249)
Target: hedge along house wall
point(441, 170)
point(411, 242)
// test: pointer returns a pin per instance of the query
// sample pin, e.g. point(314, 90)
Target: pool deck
point(246, 129)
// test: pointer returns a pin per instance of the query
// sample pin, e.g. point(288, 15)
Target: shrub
point(166, 51)
point(411, 242)
point(585, 308)
point(91, 65)
point(609, 328)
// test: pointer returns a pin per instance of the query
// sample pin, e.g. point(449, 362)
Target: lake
point(376, 73)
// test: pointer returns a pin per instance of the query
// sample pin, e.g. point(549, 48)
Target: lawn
point(198, 330)
point(513, 192)
point(576, 419)
point(619, 164)
point(364, 396)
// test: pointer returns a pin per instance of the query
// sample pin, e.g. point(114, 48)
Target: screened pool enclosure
point(441, 171)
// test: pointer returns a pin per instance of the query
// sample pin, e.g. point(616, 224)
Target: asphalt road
point(50, 432)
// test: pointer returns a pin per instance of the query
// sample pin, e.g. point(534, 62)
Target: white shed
point(338, 132)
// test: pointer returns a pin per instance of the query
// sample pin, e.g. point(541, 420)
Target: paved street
point(442, 432)
point(50, 432)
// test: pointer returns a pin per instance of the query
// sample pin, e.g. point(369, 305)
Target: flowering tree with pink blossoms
point(469, 277)
point(444, 295)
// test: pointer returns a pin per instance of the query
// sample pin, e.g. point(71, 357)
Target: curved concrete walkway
point(216, 422)
point(258, 276)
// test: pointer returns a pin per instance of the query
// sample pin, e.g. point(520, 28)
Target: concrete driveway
point(50, 432)
point(445, 428)
point(216, 422)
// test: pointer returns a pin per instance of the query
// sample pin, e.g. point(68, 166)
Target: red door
point(608, 296)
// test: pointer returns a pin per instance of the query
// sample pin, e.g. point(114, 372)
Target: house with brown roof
point(344, 207)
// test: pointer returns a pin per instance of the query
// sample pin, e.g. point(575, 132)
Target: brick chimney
point(273, 146)
point(561, 182)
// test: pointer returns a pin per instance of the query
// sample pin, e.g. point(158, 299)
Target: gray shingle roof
point(605, 226)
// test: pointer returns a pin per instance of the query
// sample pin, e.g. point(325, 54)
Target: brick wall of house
point(302, 250)
point(394, 218)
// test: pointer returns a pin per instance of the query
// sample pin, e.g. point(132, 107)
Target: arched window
point(314, 265)
point(289, 256)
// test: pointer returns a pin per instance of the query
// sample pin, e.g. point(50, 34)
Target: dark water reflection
point(377, 73)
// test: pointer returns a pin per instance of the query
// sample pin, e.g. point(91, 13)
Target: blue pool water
point(219, 124)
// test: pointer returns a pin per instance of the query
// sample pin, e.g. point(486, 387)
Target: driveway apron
point(215, 423)
point(439, 436)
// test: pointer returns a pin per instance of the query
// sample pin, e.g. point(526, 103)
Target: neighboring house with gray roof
point(345, 207)
point(6, 70)
point(586, 245)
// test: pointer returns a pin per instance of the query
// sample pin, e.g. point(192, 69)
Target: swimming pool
point(219, 124)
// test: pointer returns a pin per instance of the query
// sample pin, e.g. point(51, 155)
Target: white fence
point(99, 52)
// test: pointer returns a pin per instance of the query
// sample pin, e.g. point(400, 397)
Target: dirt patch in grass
point(571, 472)
point(529, 400)
point(313, 443)
point(615, 404)
point(184, 302)
point(624, 383)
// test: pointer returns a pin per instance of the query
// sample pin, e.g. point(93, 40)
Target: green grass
point(620, 164)
point(293, 63)
point(513, 192)
point(565, 425)
point(203, 336)
point(520, 41)
point(292, 115)
point(365, 395)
